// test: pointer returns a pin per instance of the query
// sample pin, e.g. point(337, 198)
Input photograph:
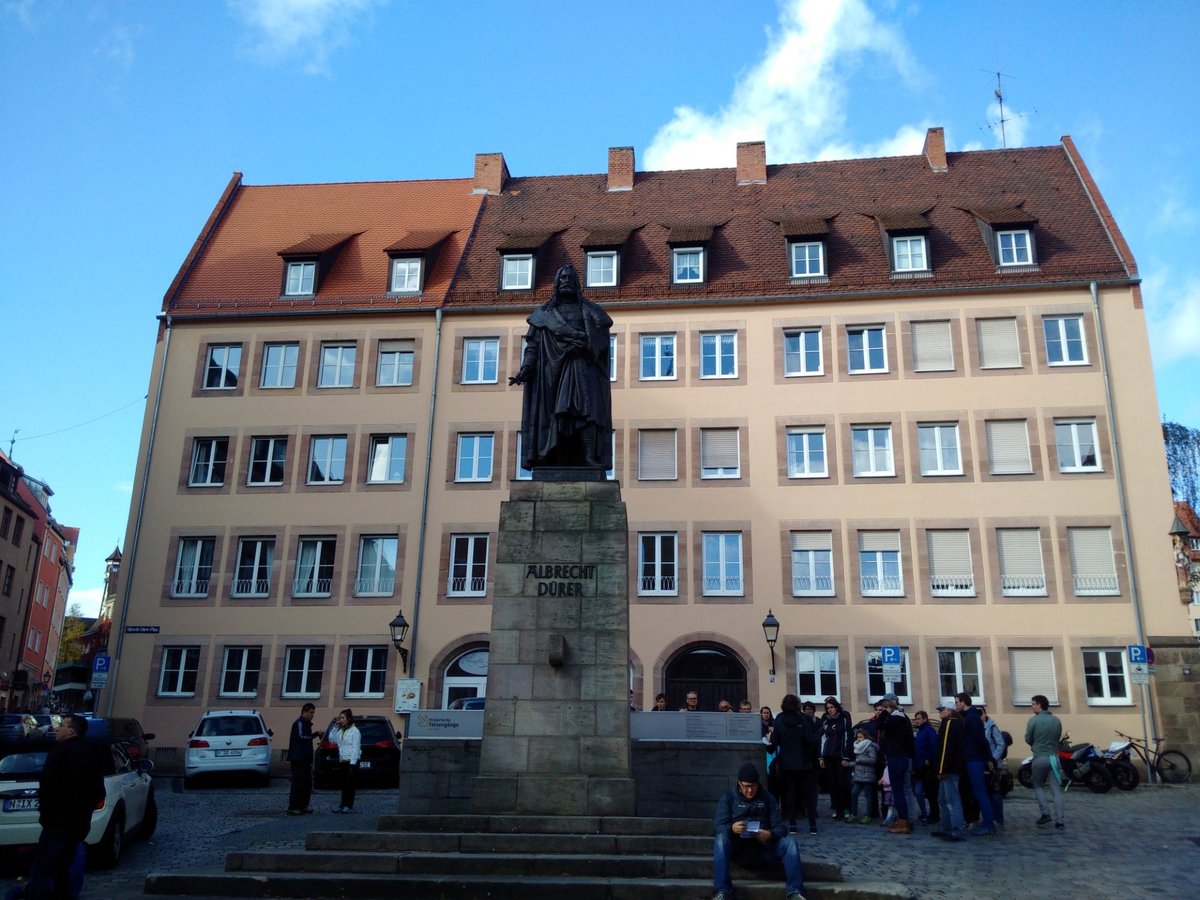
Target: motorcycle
point(1120, 766)
point(1078, 763)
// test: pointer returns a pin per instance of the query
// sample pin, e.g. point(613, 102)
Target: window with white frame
point(395, 366)
point(959, 673)
point(932, 347)
point(6, 588)
point(521, 473)
point(720, 456)
point(812, 564)
point(303, 668)
point(279, 366)
point(687, 265)
point(950, 571)
point(1064, 341)
point(802, 353)
point(337, 366)
point(481, 360)
point(406, 275)
point(999, 347)
point(239, 671)
point(177, 674)
point(388, 458)
point(253, 575)
point(376, 566)
point(1032, 673)
point(268, 456)
point(1093, 567)
point(314, 567)
point(209, 456)
point(327, 459)
point(879, 564)
point(468, 565)
point(602, 268)
point(223, 366)
point(1076, 442)
point(909, 254)
point(871, 450)
point(193, 567)
point(1105, 676)
point(877, 687)
point(1022, 571)
point(658, 357)
point(610, 474)
point(718, 354)
point(806, 452)
point(865, 350)
point(301, 277)
point(516, 271)
point(1008, 447)
point(474, 457)
point(612, 357)
point(1014, 247)
point(817, 674)
point(366, 671)
point(658, 560)
point(657, 458)
point(722, 563)
point(938, 448)
point(807, 258)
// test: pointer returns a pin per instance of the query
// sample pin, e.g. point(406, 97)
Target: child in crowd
point(886, 783)
point(866, 752)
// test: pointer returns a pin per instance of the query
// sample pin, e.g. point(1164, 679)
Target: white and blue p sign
point(101, 663)
point(891, 656)
point(1138, 654)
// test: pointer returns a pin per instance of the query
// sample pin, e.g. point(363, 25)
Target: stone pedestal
point(556, 723)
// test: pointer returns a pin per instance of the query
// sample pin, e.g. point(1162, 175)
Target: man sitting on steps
point(748, 828)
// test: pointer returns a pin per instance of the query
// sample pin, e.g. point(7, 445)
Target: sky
point(121, 122)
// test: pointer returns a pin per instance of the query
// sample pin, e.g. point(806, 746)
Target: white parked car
point(228, 740)
point(129, 808)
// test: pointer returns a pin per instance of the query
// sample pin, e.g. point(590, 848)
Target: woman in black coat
point(797, 738)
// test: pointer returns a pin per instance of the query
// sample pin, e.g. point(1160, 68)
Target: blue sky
point(122, 120)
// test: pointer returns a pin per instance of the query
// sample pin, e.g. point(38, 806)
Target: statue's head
point(566, 282)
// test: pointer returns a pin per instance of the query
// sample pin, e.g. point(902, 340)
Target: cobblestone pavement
point(1115, 845)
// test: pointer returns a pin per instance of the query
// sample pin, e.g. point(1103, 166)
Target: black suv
point(380, 761)
point(127, 732)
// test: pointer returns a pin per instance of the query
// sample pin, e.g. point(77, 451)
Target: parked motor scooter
point(1079, 764)
point(1120, 766)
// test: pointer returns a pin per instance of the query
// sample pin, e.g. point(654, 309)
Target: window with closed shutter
point(719, 456)
point(1021, 571)
point(1032, 673)
point(932, 350)
point(950, 573)
point(879, 563)
point(1093, 568)
point(656, 454)
point(1008, 448)
point(998, 344)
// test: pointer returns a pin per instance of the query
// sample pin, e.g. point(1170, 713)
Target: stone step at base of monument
point(461, 887)
point(508, 842)
point(502, 824)
point(530, 862)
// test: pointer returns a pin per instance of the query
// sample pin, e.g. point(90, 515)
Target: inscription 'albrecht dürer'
point(560, 580)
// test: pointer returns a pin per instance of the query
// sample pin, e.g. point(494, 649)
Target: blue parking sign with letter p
point(891, 656)
point(1137, 653)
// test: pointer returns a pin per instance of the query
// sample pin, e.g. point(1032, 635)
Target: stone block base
point(552, 795)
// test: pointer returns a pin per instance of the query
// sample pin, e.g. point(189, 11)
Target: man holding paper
point(748, 828)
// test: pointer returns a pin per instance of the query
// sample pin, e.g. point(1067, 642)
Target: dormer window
point(1007, 233)
point(806, 237)
point(808, 258)
point(602, 268)
point(1014, 248)
point(518, 258)
point(906, 241)
point(516, 272)
point(687, 265)
point(301, 277)
point(406, 275)
point(909, 254)
point(602, 255)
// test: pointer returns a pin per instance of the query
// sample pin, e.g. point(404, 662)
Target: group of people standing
point(344, 734)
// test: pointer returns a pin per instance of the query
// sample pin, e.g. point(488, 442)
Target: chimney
point(752, 162)
point(490, 173)
point(935, 149)
point(620, 168)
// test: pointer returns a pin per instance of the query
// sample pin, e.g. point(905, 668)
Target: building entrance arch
point(466, 676)
point(710, 670)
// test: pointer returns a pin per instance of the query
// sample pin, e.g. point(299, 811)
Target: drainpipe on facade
point(416, 622)
point(131, 553)
point(1147, 704)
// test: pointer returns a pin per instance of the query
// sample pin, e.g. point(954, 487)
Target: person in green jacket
point(1042, 734)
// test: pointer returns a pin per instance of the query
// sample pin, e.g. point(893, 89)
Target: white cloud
point(1173, 316)
point(1016, 126)
point(88, 600)
point(123, 487)
point(795, 97)
point(22, 10)
point(309, 29)
point(1175, 211)
point(118, 46)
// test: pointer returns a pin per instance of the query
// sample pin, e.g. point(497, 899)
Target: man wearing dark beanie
point(748, 828)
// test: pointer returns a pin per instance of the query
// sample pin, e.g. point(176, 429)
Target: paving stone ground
point(1116, 845)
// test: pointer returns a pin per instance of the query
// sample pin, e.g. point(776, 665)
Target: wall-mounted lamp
point(399, 628)
point(770, 627)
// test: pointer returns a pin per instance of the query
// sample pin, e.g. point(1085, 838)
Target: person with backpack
point(795, 736)
point(999, 750)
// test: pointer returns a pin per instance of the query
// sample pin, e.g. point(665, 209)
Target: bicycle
point(1172, 766)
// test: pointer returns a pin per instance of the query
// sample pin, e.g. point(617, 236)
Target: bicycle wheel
point(1125, 776)
point(1173, 767)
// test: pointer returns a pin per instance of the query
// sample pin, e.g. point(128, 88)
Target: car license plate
point(227, 753)
point(21, 804)
point(364, 765)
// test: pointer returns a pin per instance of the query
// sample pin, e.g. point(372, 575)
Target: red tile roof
point(236, 265)
point(747, 251)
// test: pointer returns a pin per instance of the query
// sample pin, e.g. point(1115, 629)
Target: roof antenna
point(998, 93)
point(12, 441)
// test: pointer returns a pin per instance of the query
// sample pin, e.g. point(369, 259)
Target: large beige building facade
point(901, 402)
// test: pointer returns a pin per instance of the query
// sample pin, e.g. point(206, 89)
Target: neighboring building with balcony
point(867, 395)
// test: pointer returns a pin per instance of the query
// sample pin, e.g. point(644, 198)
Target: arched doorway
point(708, 669)
point(466, 676)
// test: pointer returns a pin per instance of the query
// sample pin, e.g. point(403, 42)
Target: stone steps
point(438, 841)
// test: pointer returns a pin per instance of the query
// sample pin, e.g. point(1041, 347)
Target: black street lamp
point(770, 627)
point(399, 628)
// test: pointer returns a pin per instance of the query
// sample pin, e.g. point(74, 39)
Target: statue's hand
point(522, 376)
